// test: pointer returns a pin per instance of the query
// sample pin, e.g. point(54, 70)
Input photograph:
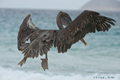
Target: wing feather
point(25, 31)
point(38, 44)
point(86, 22)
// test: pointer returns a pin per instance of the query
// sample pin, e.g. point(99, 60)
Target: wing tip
point(29, 15)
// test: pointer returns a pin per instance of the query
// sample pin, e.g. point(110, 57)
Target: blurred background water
point(101, 56)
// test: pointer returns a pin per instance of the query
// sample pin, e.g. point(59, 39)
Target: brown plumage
point(42, 40)
point(86, 22)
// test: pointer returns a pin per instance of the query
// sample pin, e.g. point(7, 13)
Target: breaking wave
point(9, 74)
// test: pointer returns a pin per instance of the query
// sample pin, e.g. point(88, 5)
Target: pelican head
point(63, 19)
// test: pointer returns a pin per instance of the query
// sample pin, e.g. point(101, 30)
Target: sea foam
point(10, 74)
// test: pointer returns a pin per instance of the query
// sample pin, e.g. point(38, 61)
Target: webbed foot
point(44, 64)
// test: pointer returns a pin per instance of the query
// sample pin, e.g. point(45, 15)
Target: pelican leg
point(44, 63)
point(84, 42)
point(22, 61)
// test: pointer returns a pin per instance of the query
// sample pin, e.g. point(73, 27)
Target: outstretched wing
point(86, 22)
point(25, 31)
point(40, 40)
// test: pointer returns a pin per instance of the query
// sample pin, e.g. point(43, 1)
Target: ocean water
point(99, 60)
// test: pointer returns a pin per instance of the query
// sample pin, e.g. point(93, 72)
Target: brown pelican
point(42, 40)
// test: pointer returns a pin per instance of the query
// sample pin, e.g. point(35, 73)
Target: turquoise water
point(100, 58)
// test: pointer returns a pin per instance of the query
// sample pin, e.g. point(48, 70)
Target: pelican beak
point(84, 42)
